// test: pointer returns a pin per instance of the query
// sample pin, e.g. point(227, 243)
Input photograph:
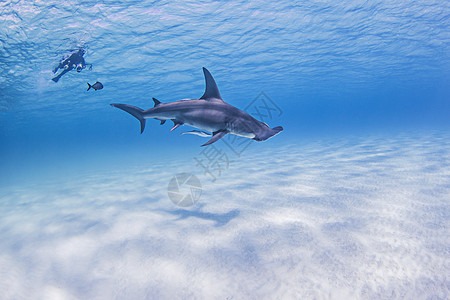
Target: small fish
point(197, 132)
point(95, 86)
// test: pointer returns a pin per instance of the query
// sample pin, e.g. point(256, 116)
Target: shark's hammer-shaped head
point(264, 132)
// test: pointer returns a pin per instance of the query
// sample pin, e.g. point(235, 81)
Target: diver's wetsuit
point(75, 60)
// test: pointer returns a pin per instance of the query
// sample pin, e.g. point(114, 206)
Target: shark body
point(208, 113)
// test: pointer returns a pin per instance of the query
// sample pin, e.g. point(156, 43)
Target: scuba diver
point(74, 61)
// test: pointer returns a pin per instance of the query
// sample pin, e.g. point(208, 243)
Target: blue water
point(362, 89)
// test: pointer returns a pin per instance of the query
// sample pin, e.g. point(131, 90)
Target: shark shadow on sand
point(219, 219)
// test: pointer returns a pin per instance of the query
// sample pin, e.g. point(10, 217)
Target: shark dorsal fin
point(211, 90)
point(156, 101)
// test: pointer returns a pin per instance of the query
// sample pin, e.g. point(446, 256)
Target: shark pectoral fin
point(216, 136)
point(176, 125)
point(197, 132)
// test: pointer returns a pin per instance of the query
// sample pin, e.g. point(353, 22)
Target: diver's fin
point(211, 90)
point(176, 124)
point(134, 111)
point(216, 136)
point(56, 78)
point(197, 132)
point(156, 101)
point(89, 86)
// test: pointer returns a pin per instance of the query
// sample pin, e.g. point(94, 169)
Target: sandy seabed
point(363, 218)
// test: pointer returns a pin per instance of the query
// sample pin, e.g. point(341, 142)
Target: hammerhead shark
point(208, 113)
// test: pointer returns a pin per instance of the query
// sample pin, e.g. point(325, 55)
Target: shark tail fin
point(134, 111)
point(89, 86)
